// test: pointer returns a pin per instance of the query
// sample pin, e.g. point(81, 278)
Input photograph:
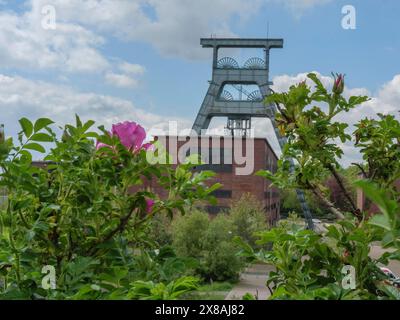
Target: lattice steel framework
point(220, 103)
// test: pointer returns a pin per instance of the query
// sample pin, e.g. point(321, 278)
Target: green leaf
point(88, 125)
point(380, 221)
point(78, 121)
point(378, 196)
point(392, 292)
point(35, 146)
point(42, 123)
point(42, 137)
point(27, 126)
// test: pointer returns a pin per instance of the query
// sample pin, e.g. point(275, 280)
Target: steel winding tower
point(219, 102)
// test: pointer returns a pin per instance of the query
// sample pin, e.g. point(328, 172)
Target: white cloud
point(25, 44)
point(120, 80)
point(70, 48)
point(298, 7)
point(135, 69)
point(173, 27)
point(20, 97)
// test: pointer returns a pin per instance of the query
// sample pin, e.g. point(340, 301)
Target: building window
point(216, 209)
point(219, 168)
point(222, 194)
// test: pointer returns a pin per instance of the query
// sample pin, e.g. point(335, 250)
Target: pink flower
point(148, 146)
point(130, 134)
point(149, 205)
point(101, 145)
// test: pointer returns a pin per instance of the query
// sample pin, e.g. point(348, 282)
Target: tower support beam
point(239, 112)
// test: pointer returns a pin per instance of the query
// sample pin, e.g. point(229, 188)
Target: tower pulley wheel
point(227, 63)
point(254, 63)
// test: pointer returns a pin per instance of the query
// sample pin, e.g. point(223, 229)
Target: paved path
point(253, 279)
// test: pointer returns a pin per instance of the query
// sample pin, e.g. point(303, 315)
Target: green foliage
point(308, 265)
point(248, 217)
point(161, 291)
point(387, 201)
point(210, 242)
point(291, 204)
point(379, 141)
point(78, 215)
point(312, 136)
point(160, 231)
point(188, 233)
point(220, 261)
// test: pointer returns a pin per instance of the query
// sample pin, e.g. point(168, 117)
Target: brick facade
point(234, 183)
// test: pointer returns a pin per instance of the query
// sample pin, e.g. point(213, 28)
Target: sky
point(141, 60)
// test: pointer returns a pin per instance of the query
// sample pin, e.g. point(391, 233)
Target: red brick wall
point(233, 185)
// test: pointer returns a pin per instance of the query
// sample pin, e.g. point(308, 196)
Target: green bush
point(188, 232)
point(210, 242)
point(78, 217)
point(162, 265)
point(220, 260)
point(248, 217)
point(159, 232)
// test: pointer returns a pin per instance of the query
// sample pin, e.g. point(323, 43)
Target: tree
point(313, 136)
point(309, 265)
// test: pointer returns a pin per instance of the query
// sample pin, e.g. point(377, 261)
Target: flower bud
point(2, 138)
point(338, 85)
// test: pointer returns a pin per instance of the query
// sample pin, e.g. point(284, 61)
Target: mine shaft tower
point(226, 71)
point(219, 102)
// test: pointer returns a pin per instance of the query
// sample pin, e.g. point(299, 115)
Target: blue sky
point(141, 60)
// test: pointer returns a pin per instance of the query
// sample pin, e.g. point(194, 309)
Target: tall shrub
point(248, 217)
point(76, 217)
point(210, 242)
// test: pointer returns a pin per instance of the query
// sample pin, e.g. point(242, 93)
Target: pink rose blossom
point(130, 134)
point(149, 205)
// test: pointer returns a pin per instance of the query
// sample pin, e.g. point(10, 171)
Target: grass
point(211, 291)
point(216, 286)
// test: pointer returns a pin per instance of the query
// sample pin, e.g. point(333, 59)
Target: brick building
point(235, 162)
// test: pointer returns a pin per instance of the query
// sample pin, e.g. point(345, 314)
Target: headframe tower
point(219, 102)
